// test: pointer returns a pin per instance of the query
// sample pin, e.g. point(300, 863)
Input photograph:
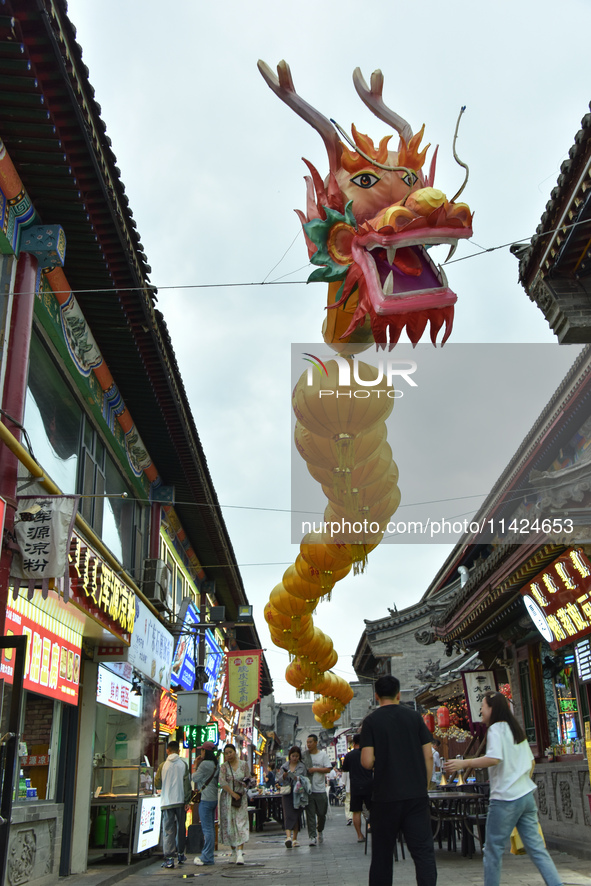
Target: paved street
point(339, 861)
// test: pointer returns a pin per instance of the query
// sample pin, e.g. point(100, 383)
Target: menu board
point(583, 660)
point(147, 826)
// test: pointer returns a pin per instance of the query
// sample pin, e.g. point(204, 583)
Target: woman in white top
point(512, 801)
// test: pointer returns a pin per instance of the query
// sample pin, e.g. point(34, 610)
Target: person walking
point(173, 779)
point(396, 744)
point(318, 764)
point(234, 773)
point(205, 780)
point(512, 805)
point(333, 778)
point(361, 785)
point(287, 777)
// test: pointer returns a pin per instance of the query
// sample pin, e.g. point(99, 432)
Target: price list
point(583, 658)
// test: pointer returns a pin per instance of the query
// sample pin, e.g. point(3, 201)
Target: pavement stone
point(339, 861)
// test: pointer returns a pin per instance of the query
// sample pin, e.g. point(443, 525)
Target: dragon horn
point(284, 89)
point(374, 101)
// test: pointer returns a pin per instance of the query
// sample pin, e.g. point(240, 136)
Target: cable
point(283, 256)
point(280, 282)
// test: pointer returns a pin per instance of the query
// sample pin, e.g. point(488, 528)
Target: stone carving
point(431, 672)
point(565, 799)
point(51, 856)
point(542, 801)
point(21, 861)
point(584, 791)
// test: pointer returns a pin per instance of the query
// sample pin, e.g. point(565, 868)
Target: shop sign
point(95, 588)
point(342, 746)
point(43, 528)
point(558, 599)
point(52, 664)
point(150, 649)
point(244, 678)
point(476, 685)
point(147, 828)
point(183, 664)
point(246, 719)
point(167, 713)
point(261, 744)
point(114, 692)
point(194, 736)
point(583, 660)
point(213, 663)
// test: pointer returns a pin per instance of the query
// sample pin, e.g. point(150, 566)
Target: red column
point(13, 401)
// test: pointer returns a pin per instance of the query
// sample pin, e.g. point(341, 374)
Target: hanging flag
point(244, 678)
point(43, 528)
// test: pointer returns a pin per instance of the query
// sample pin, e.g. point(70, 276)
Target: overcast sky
point(211, 161)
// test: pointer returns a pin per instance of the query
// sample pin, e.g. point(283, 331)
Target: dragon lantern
point(369, 224)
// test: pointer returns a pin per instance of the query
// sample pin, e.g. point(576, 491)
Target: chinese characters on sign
point(583, 659)
point(97, 589)
point(243, 678)
point(194, 736)
point(43, 527)
point(476, 685)
point(167, 712)
point(213, 663)
point(52, 664)
point(116, 693)
point(559, 599)
point(150, 650)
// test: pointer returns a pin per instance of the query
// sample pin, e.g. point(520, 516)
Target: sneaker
point(349, 821)
point(320, 837)
point(288, 843)
point(239, 857)
point(168, 863)
point(182, 858)
point(197, 860)
point(313, 841)
point(295, 843)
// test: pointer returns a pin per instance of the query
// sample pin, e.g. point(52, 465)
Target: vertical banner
point(244, 678)
point(43, 527)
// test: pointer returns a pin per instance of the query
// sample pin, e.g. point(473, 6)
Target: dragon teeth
point(391, 253)
point(389, 284)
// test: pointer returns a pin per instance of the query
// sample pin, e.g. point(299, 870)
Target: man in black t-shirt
point(396, 744)
point(361, 785)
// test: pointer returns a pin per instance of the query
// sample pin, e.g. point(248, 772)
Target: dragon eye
point(410, 179)
point(365, 180)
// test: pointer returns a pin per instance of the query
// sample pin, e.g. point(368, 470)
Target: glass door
point(12, 650)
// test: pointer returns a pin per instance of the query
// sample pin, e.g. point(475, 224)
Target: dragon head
point(370, 222)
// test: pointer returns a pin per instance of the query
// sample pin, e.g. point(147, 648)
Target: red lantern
point(443, 717)
point(429, 722)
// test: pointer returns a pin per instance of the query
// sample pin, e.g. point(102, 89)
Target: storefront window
point(41, 719)
point(569, 728)
point(52, 419)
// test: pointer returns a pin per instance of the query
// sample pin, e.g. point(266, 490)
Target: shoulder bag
point(236, 801)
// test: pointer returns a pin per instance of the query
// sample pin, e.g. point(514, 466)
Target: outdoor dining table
point(449, 812)
point(265, 807)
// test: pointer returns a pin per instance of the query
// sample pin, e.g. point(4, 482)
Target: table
point(265, 807)
point(451, 812)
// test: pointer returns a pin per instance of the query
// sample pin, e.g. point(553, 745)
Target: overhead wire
point(280, 281)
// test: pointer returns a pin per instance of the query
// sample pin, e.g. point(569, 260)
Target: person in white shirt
point(318, 764)
point(512, 804)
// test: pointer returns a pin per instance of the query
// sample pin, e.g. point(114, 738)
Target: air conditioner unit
point(157, 584)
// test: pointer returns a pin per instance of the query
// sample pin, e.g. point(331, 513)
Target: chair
point(399, 838)
point(475, 818)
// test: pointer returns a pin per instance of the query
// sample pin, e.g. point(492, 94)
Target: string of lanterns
point(343, 442)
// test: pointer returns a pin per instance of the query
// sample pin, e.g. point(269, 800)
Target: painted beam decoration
point(558, 599)
point(243, 671)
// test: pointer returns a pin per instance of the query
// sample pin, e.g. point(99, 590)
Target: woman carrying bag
point(205, 780)
point(234, 774)
point(287, 777)
point(512, 803)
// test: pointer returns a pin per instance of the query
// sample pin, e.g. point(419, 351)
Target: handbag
point(236, 801)
point(517, 847)
point(285, 790)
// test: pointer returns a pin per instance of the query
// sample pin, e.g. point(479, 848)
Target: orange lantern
point(443, 717)
point(287, 604)
point(298, 587)
point(429, 721)
point(323, 452)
